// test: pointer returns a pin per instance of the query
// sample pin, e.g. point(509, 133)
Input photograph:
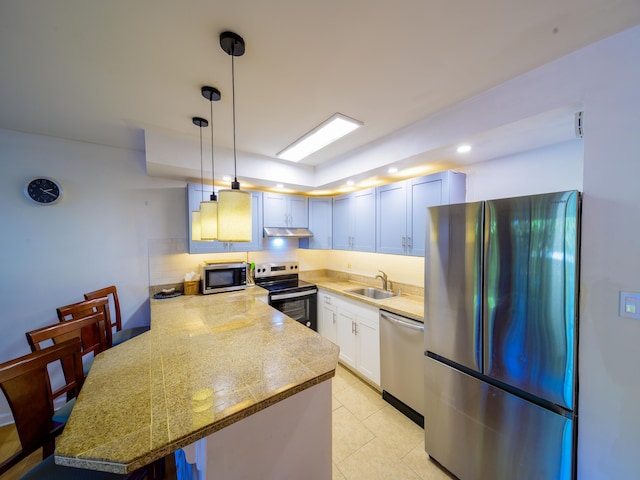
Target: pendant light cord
point(213, 177)
point(201, 166)
point(233, 101)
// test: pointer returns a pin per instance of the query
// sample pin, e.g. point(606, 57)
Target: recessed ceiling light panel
point(463, 148)
point(335, 127)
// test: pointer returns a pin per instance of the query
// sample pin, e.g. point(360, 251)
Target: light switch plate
point(630, 305)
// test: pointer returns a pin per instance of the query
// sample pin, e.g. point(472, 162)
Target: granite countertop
point(410, 306)
point(207, 362)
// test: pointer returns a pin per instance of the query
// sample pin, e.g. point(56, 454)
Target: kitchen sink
point(371, 292)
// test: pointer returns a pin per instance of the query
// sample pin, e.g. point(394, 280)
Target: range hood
point(287, 232)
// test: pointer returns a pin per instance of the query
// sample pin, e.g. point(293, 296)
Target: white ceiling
point(106, 71)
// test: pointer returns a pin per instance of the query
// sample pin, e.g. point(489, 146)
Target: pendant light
point(234, 206)
point(209, 208)
point(196, 230)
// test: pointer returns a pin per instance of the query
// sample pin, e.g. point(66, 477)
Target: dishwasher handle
point(403, 322)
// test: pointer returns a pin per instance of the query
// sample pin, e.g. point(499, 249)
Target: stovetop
point(277, 277)
point(280, 285)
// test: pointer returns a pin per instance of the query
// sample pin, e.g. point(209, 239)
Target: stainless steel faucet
point(382, 277)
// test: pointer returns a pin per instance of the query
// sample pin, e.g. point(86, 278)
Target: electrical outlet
point(348, 266)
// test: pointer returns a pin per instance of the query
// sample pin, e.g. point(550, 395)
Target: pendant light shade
point(196, 230)
point(234, 216)
point(209, 208)
point(196, 217)
point(234, 209)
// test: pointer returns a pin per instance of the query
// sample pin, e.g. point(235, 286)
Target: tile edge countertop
point(207, 362)
point(411, 306)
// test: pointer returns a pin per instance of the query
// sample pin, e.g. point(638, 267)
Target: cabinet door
point(275, 210)
point(328, 317)
point(364, 220)
point(391, 205)
point(424, 192)
point(320, 223)
point(342, 222)
point(437, 189)
point(298, 210)
point(346, 338)
point(368, 353)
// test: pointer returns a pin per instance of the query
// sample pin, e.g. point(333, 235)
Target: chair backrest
point(86, 307)
point(25, 383)
point(116, 319)
point(89, 330)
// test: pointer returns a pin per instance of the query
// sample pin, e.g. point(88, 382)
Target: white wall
point(97, 235)
point(550, 169)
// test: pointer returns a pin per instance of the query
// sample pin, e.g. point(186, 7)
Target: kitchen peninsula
point(223, 374)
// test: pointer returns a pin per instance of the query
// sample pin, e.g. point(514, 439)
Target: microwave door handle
point(286, 296)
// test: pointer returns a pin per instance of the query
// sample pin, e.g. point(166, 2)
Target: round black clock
point(43, 190)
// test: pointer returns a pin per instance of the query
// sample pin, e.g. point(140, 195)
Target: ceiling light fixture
point(234, 206)
point(332, 129)
point(350, 182)
point(463, 148)
point(393, 170)
point(196, 230)
point(209, 209)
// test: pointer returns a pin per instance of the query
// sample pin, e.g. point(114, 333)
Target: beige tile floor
point(372, 440)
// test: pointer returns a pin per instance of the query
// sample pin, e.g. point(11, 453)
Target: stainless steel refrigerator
point(501, 290)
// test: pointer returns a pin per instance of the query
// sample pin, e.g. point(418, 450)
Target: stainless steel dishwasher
point(402, 364)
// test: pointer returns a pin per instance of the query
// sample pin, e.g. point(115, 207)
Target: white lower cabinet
point(356, 329)
point(327, 316)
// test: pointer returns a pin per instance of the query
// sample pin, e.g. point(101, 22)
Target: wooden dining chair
point(90, 330)
point(119, 335)
point(25, 384)
point(87, 307)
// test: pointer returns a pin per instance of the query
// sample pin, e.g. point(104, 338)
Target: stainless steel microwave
point(223, 277)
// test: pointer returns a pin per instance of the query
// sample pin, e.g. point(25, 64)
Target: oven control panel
point(267, 270)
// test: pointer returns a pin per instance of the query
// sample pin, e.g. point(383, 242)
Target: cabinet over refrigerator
point(501, 290)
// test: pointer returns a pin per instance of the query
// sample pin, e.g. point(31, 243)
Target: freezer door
point(530, 278)
point(477, 431)
point(453, 283)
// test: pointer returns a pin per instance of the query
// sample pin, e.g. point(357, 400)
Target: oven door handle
point(286, 296)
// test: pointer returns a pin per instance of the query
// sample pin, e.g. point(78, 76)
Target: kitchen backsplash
point(169, 262)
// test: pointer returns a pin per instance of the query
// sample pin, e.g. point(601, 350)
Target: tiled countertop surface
point(207, 362)
point(410, 306)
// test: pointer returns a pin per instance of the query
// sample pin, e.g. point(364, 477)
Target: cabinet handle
point(404, 241)
point(408, 241)
point(355, 328)
point(352, 328)
point(334, 318)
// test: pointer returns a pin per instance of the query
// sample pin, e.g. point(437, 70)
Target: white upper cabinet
point(320, 224)
point(401, 209)
point(281, 210)
point(354, 221)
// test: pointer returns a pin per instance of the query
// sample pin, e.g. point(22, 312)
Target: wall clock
point(43, 191)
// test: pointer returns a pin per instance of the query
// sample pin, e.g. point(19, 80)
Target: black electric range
point(287, 293)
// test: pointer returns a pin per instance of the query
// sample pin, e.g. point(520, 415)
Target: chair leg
point(156, 470)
